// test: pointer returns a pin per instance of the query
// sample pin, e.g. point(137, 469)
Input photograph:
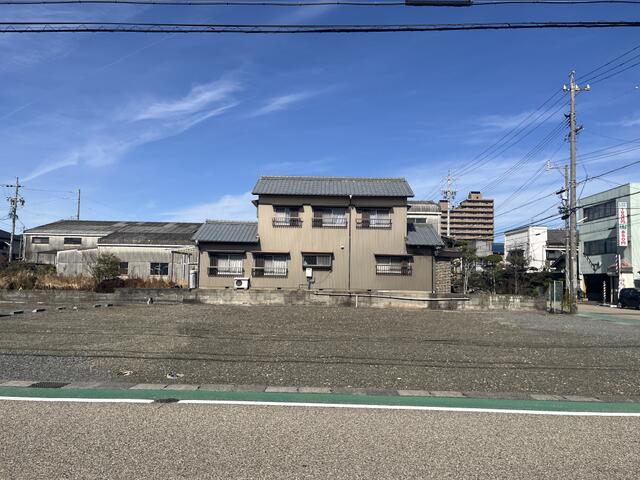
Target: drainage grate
point(166, 400)
point(48, 385)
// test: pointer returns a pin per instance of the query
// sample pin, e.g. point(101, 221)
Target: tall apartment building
point(473, 219)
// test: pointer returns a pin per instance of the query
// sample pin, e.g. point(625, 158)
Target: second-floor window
point(40, 240)
point(286, 217)
point(602, 210)
point(225, 264)
point(267, 265)
point(375, 218)
point(73, 240)
point(329, 217)
point(601, 247)
point(321, 261)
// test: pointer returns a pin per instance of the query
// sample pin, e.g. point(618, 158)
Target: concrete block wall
point(443, 276)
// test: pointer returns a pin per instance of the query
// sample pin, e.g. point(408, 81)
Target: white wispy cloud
point(199, 98)
point(138, 124)
point(509, 121)
point(227, 207)
point(281, 102)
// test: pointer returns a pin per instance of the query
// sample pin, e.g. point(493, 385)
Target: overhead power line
point(246, 3)
point(126, 27)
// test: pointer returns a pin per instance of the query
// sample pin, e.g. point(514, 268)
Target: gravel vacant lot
point(330, 347)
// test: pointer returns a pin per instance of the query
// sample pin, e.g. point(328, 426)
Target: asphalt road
point(327, 347)
point(85, 441)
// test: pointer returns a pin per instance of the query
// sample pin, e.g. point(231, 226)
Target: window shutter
point(213, 260)
point(258, 261)
point(293, 212)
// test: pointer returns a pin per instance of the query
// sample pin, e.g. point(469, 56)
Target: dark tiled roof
point(227, 232)
point(555, 237)
point(423, 235)
point(152, 233)
point(333, 186)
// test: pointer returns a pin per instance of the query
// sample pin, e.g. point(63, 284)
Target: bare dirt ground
point(326, 347)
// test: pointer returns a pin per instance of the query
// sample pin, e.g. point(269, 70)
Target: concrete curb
point(353, 391)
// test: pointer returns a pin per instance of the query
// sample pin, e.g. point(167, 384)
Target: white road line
point(332, 405)
point(414, 407)
point(78, 400)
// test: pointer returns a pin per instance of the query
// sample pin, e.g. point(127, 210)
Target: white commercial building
point(540, 246)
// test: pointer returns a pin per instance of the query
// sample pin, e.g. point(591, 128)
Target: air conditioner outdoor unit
point(241, 283)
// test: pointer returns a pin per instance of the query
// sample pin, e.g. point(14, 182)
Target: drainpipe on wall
point(350, 227)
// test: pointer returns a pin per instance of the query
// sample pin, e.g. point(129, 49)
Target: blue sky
point(179, 127)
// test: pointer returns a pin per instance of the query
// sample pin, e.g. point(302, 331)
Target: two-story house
point(334, 233)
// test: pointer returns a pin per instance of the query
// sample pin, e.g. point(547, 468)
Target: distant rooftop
point(121, 232)
point(333, 186)
point(423, 206)
point(227, 232)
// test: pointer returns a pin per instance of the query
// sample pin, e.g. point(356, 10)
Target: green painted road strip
point(319, 399)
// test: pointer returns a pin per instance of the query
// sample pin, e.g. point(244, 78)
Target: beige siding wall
point(222, 281)
point(362, 243)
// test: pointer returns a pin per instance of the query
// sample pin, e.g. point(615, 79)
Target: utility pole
point(78, 207)
point(573, 231)
point(567, 277)
point(14, 202)
point(449, 195)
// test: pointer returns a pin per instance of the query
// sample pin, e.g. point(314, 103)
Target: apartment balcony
point(225, 271)
point(402, 270)
point(373, 223)
point(270, 271)
point(287, 222)
point(329, 222)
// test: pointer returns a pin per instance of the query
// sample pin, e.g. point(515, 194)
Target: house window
point(72, 240)
point(602, 210)
point(329, 217)
point(601, 247)
point(159, 268)
point(225, 264)
point(317, 260)
point(393, 265)
point(271, 266)
point(40, 240)
point(124, 268)
point(417, 220)
point(286, 217)
point(375, 218)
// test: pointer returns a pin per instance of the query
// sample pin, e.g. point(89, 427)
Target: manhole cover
point(166, 400)
point(48, 385)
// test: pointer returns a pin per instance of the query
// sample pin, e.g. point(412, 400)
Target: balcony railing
point(373, 223)
point(404, 270)
point(225, 271)
point(330, 222)
point(284, 222)
point(270, 271)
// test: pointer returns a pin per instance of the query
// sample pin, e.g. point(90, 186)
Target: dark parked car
point(629, 297)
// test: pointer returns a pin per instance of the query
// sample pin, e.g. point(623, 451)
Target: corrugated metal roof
point(423, 235)
point(227, 232)
point(76, 227)
point(333, 186)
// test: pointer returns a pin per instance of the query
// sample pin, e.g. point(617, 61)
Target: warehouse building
point(161, 250)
